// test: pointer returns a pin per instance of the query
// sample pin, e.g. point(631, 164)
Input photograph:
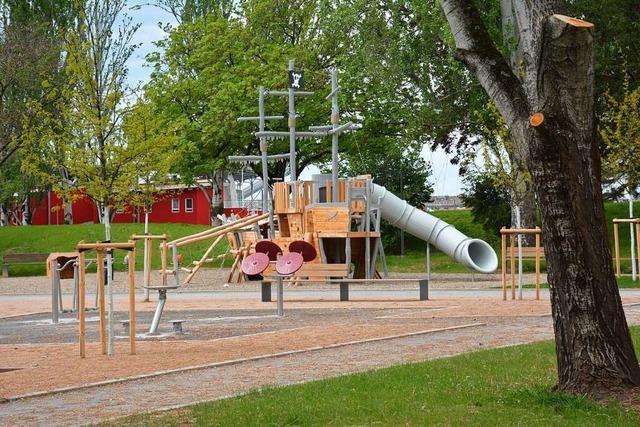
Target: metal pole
point(335, 119)
point(518, 223)
point(147, 259)
point(266, 206)
point(110, 337)
point(428, 261)
point(292, 128)
point(55, 288)
point(280, 297)
point(634, 271)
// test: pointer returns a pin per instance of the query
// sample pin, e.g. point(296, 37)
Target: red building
point(180, 205)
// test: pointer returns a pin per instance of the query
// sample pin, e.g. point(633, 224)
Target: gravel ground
point(214, 279)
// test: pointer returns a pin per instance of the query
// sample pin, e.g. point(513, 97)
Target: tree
point(548, 105)
point(104, 159)
point(620, 133)
point(31, 64)
point(209, 73)
point(489, 202)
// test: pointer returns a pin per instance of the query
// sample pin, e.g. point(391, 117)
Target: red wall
point(84, 210)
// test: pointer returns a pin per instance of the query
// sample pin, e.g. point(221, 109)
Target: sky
point(444, 177)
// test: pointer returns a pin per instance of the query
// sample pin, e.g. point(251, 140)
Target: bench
point(308, 273)
point(12, 259)
point(337, 273)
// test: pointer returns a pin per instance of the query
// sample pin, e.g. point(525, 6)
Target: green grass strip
point(505, 387)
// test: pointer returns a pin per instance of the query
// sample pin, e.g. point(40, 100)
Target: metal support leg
point(76, 278)
point(162, 298)
point(280, 297)
point(347, 255)
point(55, 290)
point(424, 289)
point(266, 291)
point(344, 291)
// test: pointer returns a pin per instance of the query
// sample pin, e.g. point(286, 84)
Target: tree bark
point(594, 350)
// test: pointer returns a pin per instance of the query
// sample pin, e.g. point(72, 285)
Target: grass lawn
point(509, 386)
point(63, 238)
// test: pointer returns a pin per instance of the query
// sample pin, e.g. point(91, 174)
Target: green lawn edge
point(506, 386)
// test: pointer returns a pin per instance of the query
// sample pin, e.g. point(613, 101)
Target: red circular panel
point(305, 249)
point(255, 264)
point(289, 263)
point(268, 247)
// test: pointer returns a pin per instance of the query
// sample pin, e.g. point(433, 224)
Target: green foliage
point(506, 386)
point(489, 203)
point(620, 133)
point(209, 72)
point(83, 147)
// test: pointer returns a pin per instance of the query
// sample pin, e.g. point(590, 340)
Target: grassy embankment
point(63, 238)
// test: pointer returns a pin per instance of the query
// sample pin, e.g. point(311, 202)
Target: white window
point(175, 205)
point(188, 205)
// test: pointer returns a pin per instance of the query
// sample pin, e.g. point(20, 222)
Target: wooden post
point(163, 262)
point(537, 266)
point(616, 243)
point(101, 300)
point(512, 254)
point(132, 300)
point(504, 265)
point(81, 303)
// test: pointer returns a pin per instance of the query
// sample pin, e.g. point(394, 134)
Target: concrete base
point(344, 292)
point(424, 289)
point(266, 292)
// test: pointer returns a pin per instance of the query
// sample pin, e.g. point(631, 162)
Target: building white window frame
point(186, 207)
point(175, 205)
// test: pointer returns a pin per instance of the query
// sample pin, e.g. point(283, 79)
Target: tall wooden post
point(616, 243)
point(163, 263)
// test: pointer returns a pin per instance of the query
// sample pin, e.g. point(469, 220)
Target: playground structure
point(527, 252)
point(105, 304)
point(634, 226)
point(339, 217)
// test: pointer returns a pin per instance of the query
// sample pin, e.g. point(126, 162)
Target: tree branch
point(476, 49)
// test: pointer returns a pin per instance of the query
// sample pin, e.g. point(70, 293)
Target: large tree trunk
point(594, 350)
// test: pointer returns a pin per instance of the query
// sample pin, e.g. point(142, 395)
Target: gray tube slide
point(474, 253)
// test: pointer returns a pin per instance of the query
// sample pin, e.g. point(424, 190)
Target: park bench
point(12, 259)
point(337, 273)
